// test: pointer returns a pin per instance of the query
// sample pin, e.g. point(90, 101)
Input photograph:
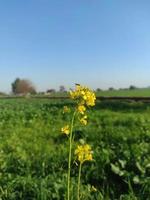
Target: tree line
point(25, 86)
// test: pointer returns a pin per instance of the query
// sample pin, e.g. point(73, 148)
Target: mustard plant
point(83, 98)
point(83, 153)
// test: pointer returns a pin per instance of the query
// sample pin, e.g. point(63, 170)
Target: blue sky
point(99, 43)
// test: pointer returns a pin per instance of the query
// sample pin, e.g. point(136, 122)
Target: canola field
point(34, 152)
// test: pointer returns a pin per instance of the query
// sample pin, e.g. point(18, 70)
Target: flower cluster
point(81, 109)
point(83, 153)
point(65, 130)
point(83, 120)
point(84, 95)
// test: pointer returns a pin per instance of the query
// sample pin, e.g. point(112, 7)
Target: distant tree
point(23, 86)
point(98, 90)
point(14, 85)
point(51, 91)
point(111, 89)
point(62, 88)
point(41, 93)
point(132, 87)
point(2, 94)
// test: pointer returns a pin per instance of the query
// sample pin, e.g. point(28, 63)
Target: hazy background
point(99, 43)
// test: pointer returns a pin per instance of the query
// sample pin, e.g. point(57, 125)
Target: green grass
point(145, 92)
point(33, 152)
point(139, 92)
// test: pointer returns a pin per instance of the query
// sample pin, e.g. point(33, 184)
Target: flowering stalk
point(84, 98)
point(83, 153)
point(70, 153)
point(79, 178)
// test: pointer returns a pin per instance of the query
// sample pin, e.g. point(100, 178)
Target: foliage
point(62, 88)
point(132, 87)
point(14, 85)
point(136, 92)
point(33, 158)
point(22, 86)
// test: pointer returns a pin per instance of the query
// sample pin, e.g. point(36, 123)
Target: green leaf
point(122, 163)
point(136, 180)
point(115, 169)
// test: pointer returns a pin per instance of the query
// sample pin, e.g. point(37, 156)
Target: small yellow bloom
point(65, 130)
point(83, 120)
point(66, 109)
point(83, 92)
point(81, 109)
point(72, 94)
point(90, 98)
point(85, 97)
point(83, 153)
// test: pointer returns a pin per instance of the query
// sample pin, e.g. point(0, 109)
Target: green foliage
point(33, 153)
point(14, 85)
point(22, 86)
point(129, 92)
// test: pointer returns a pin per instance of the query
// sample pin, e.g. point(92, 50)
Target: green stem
point(69, 158)
point(79, 178)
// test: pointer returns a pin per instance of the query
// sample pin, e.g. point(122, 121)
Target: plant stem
point(79, 178)
point(69, 158)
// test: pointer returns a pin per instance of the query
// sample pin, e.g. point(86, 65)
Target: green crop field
point(34, 153)
point(143, 92)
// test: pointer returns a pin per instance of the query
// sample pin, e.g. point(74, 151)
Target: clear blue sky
point(99, 43)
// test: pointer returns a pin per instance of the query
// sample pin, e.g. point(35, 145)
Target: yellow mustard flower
point(83, 153)
point(66, 109)
point(76, 93)
point(90, 99)
point(65, 130)
point(81, 109)
point(83, 120)
point(84, 95)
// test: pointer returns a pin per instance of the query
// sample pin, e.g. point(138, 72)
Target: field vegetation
point(34, 153)
point(137, 92)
